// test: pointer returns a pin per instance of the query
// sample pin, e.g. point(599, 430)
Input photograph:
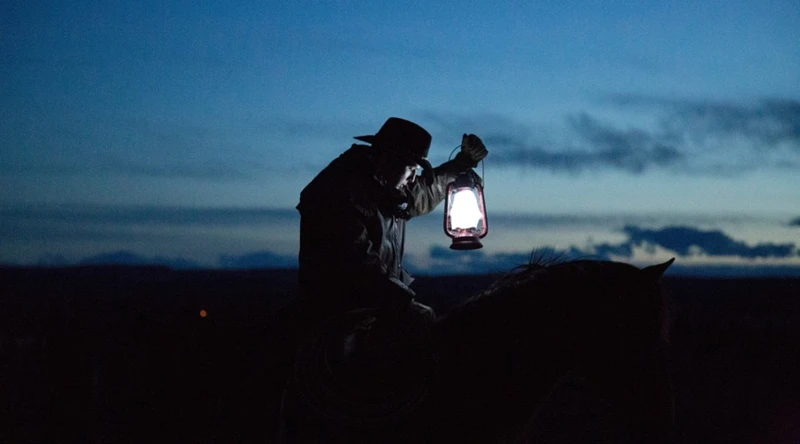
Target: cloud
point(259, 259)
point(769, 122)
point(19, 219)
point(129, 258)
point(441, 252)
point(633, 151)
point(28, 231)
point(686, 241)
point(606, 250)
point(712, 243)
point(683, 136)
point(585, 143)
point(723, 136)
point(138, 215)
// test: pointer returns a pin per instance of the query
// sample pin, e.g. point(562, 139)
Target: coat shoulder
point(344, 183)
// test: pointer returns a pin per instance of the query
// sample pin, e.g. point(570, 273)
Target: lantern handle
point(483, 167)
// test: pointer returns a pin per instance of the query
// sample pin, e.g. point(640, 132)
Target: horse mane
point(519, 275)
point(539, 260)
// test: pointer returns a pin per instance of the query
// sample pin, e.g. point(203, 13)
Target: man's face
point(402, 174)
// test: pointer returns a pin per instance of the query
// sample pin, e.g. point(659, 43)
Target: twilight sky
point(183, 132)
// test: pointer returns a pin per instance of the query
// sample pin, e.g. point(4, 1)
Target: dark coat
point(352, 234)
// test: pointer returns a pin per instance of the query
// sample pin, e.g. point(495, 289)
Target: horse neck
point(488, 339)
point(505, 348)
point(506, 365)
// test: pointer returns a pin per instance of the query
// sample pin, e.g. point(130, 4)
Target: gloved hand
point(472, 150)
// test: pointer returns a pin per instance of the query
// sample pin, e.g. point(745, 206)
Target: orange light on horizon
point(203, 313)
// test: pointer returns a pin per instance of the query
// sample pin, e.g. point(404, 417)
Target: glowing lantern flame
point(465, 212)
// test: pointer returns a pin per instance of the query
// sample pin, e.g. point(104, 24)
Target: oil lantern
point(465, 212)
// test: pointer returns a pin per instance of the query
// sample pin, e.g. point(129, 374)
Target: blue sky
point(184, 130)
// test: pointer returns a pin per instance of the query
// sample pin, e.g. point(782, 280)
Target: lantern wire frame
point(476, 244)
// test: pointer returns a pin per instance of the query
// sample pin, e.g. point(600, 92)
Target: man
point(352, 232)
point(353, 220)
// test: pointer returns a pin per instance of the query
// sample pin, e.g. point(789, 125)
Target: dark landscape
point(122, 354)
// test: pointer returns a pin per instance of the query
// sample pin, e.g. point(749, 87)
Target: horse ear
point(654, 272)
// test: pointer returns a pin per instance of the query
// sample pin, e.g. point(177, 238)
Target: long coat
point(352, 234)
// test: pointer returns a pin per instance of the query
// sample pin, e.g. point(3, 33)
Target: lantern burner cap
point(466, 243)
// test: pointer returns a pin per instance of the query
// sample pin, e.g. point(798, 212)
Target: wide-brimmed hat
point(365, 367)
point(404, 138)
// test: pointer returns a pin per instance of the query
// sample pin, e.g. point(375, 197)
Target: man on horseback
point(363, 360)
point(353, 219)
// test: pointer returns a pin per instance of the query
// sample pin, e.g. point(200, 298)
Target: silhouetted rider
point(353, 220)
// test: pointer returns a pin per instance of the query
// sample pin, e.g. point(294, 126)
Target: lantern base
point(466, 243)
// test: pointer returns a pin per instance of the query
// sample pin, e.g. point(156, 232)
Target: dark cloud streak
point(687, 241)
point(127, 215)
point(692, 137)
point(129, 258)
point(713, 242)
point(768, 121)
point(259, 259)
point(633, 151)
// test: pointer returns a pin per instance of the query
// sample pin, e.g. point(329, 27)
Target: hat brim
point(427, 168)
point(369, 139)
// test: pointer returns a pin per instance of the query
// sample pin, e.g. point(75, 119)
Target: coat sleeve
point(425, 196)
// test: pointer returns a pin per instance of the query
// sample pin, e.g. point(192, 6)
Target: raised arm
point(427, 194)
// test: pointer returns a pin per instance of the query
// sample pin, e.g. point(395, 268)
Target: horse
point(503, 351)
point(490, 369)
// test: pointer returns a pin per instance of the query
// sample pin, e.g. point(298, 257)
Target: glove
point(472, 150)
